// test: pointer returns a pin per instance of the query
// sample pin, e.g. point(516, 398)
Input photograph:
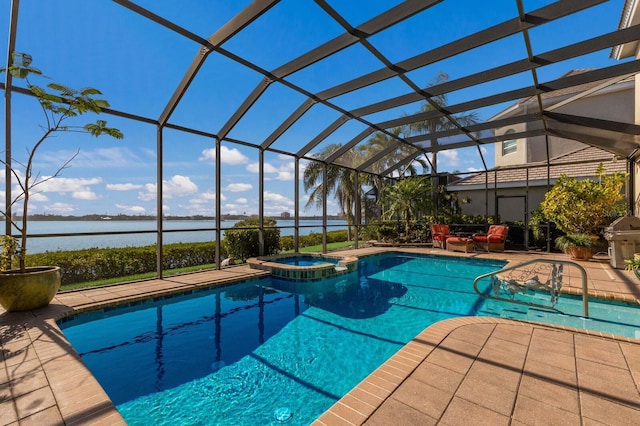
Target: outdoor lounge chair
point(439, 234)
point(494, 239)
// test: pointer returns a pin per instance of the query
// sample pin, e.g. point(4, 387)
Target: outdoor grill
point(624, 240)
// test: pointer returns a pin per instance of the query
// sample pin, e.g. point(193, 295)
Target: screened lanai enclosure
point(296, 109)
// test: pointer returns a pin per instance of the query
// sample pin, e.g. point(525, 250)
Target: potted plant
point(579, 246)
point(633, 264)
point(583, 207)
point(29, 288)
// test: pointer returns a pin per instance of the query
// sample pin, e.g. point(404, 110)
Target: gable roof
point(547, 97)
point(580, 163)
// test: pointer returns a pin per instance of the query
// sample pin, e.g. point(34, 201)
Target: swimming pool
point(254, 352)
point(303, 260)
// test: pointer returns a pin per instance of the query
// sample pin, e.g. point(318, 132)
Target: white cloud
point(132, 209)
point(239, 187)
point(227, 156)
point(150, 194)
point(283, 172)
point(85, 195)
point(202, 204)
point(79, 188)
point(450, 156)
point(242, 200)
point(60, 208)
point(234, 207)
point(122, 186)
point(38, 197)
point(210, 196)
point(285, 176)
point(274, 197)
point(63, 185)
point(177, 186)
point(255, 168)
point(113, 157)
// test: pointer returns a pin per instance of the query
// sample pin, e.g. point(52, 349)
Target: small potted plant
point(26, 288)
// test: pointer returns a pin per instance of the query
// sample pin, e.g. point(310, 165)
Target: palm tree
point(340, 183)
point(437, 124)
point(407, 198)
point(381, 141)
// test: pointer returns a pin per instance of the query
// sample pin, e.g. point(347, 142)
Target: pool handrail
point(585, 293)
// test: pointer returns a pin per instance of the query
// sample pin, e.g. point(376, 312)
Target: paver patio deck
point(471, 370)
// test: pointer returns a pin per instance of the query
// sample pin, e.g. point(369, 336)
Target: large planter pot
point(580, 253)
point(30, 290)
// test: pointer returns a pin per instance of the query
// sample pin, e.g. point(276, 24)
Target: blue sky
point(138, 65)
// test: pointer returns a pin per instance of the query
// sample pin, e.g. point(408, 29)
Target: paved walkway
point(460, 371)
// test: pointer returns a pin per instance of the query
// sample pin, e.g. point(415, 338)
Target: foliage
point(244, 243)
point(535, 223)
point(313, 239)
point(408, 198)
point(633, 263)
point(58, 103)
point(79, 266)
point(584, 206)
point(340, 182)
point(563, 242)
point(8, 248)
point(387, 233)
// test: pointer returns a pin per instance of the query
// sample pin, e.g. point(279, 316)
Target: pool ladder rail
point(528, 280)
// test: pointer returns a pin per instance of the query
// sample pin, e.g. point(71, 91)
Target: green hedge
point(79, 266)
point(93, 264)
point(313, 239)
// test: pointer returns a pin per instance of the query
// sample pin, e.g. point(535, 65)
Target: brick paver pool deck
point(471, 370)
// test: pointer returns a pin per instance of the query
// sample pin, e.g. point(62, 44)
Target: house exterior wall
point(510, 210)
point(609, 104)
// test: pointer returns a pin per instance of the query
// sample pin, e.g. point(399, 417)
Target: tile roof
point(579, 163)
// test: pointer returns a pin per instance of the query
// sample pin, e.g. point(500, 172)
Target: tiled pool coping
point(43, 381)
point(343, 265)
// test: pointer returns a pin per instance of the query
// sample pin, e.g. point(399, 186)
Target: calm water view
point(175, 231)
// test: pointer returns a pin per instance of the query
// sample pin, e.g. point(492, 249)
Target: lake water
point(176, 231)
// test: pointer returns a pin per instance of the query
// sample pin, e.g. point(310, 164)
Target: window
point(509, 146)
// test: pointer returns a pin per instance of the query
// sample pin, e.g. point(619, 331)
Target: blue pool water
point(270, 351)
point(305, 260)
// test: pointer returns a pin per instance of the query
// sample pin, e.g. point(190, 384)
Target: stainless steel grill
point(624, 240)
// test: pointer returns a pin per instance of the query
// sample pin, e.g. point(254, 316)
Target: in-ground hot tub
point(304, 266)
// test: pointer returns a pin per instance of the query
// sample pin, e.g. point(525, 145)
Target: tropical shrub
point(242, 243)
point(584, 206)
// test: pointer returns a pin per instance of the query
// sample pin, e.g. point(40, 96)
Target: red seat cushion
point(492, 239)
point(497, 233)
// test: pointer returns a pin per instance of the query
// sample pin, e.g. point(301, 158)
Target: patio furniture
point(460, 244)
point(494, 239)
point(440, 234)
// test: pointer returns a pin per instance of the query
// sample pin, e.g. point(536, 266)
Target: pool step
point(515, 312)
